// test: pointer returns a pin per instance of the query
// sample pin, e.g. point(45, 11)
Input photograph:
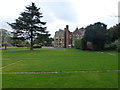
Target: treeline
point(8, 38)
point(29, 28)
point(97, 38)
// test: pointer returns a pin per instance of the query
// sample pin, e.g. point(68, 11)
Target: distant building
point(59, 39)
point(68, 37)
point(65, 38)
point(77, 34)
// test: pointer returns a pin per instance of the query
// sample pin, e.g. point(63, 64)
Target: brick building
point(77, 34)
point(68, 37)
point(65, 38)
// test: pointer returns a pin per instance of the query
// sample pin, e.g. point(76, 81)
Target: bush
point(83, 44)
point(36, 46)
point(112, 46)
point(20, 45)
point(77, 44)
point(27, 44)
point(118, 46)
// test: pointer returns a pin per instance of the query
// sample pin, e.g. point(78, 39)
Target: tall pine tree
point(29, 25)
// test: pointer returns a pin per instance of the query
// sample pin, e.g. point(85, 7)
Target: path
point(11, 64)
point(61, 72)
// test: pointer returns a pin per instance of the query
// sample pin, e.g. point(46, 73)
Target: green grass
point(10, 49)
point(62, 80)
point(42, 60)
point(59, 60)
point(0, 70)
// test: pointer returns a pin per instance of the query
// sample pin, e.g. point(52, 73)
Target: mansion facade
point(65, 38)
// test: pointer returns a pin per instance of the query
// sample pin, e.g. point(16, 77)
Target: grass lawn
point(0, 70)
point(56, 60)
point(62, 80)
point(25, 48)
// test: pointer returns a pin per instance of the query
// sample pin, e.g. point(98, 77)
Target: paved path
point(11, 47)
point(21, 48)
point(46, 47)
point(14, 50)
point(11, 64)
point(61, 72)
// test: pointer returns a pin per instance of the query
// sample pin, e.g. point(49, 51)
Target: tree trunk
point(5, 47)
point(31, 42)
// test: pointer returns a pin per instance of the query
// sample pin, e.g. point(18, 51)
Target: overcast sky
point(59, 13)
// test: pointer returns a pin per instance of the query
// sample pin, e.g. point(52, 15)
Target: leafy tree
point(97, 34)
point(49, 41)
point(84, 44)
point(28, 24)
point(113, 33)
point(114, 36)
point(5, 38)
point(117, 30)
point(118, 45)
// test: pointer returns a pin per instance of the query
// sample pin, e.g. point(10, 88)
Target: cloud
point(58, 10)
point(59, 13)
point(119, 12)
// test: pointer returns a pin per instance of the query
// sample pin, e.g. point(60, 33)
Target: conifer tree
point(29, 25)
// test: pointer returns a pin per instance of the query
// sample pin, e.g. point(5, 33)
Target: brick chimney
point(67, 36)
point(67, 27)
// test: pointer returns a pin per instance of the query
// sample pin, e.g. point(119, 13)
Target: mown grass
point(62, 80)
point(42, 60)
point(59, 60)
point(10, 49)
point(0, 70)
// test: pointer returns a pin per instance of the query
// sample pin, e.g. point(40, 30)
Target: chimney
point(76, 28)
point(67, 27)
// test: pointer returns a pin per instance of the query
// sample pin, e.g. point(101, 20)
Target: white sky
point(59, 13)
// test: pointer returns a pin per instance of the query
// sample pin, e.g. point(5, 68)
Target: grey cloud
point(119, 12)
point(60, 10)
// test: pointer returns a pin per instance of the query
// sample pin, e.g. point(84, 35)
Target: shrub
point(27, 44)
point(20, 45)
point(83, 44)
point(111, 46)
point(36, 46)
point(77, 44)
point(118, 46)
